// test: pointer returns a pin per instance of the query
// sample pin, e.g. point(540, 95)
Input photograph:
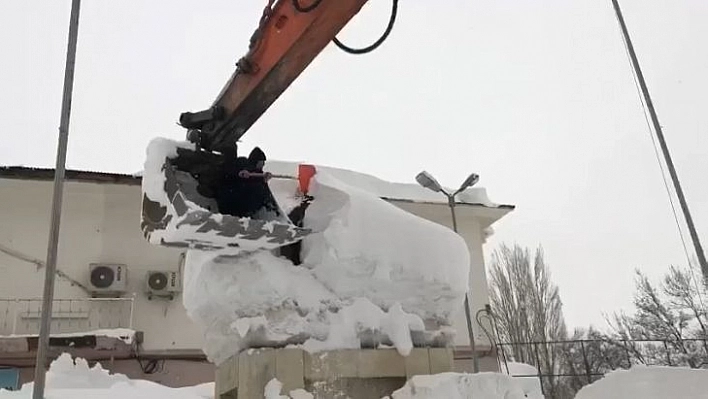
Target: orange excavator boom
point(291, 33)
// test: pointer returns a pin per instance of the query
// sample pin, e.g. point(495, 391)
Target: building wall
point(100, 223)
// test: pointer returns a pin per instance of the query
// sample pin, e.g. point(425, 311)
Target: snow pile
point(514, 369)
point(274, 387)
point(67, 379)
point(368, 268)
point(649, 382)
point(463, 386)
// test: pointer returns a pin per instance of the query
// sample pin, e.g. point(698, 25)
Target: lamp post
point(426, 180)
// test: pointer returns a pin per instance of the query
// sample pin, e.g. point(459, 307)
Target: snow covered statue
point(368, 273)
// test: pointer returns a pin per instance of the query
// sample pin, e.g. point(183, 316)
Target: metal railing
point(576, 363)
point(22, 316)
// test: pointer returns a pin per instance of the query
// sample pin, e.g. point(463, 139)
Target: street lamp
point(426, 180)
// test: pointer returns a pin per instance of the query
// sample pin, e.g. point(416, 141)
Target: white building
point(101, 225)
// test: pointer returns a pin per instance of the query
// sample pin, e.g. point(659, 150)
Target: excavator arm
point(291, 33)
point(191, 196)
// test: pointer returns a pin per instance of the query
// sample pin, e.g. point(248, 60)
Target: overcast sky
point(535, 96)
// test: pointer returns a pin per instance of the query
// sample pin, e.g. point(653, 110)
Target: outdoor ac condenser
point(108, 279)
point(163, 283)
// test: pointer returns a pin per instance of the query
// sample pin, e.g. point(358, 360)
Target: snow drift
point(649, 382)
point(74, 379)
point(369, 270)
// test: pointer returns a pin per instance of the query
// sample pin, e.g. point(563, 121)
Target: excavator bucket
point(179, 208)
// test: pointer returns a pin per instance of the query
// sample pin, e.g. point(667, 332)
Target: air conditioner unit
point(163, 283)
point(108, 278)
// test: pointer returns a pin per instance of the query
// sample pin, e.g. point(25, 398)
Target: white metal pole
point(51, 264)
point(468, 312)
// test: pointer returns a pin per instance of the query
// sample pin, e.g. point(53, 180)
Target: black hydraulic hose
point(376, 44)
point(296, 4)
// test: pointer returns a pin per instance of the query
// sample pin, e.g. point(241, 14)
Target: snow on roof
point(388, 190)
point(33, 173)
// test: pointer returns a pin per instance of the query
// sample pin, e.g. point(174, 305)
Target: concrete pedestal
point(349, 373)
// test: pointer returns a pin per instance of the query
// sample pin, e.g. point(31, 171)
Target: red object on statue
point(305, 173)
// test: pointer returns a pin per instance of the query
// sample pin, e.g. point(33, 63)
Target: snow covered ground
point(637, 383)
point(654, 382)
point(463, 386)
point(369, 268)
point(74, 379)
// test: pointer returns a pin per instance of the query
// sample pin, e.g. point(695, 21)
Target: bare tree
point(527, 311)
point(673, 312)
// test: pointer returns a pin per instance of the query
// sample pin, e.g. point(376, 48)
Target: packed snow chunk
point(272, 390)
point(369, 267)
point(274, 387)
point(464, 386)
point(153, 178)
point(649, 382)
point(74, 379)
point(526, 374)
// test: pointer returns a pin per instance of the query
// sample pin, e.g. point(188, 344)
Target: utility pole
point(52, 247)
point(665, 150)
